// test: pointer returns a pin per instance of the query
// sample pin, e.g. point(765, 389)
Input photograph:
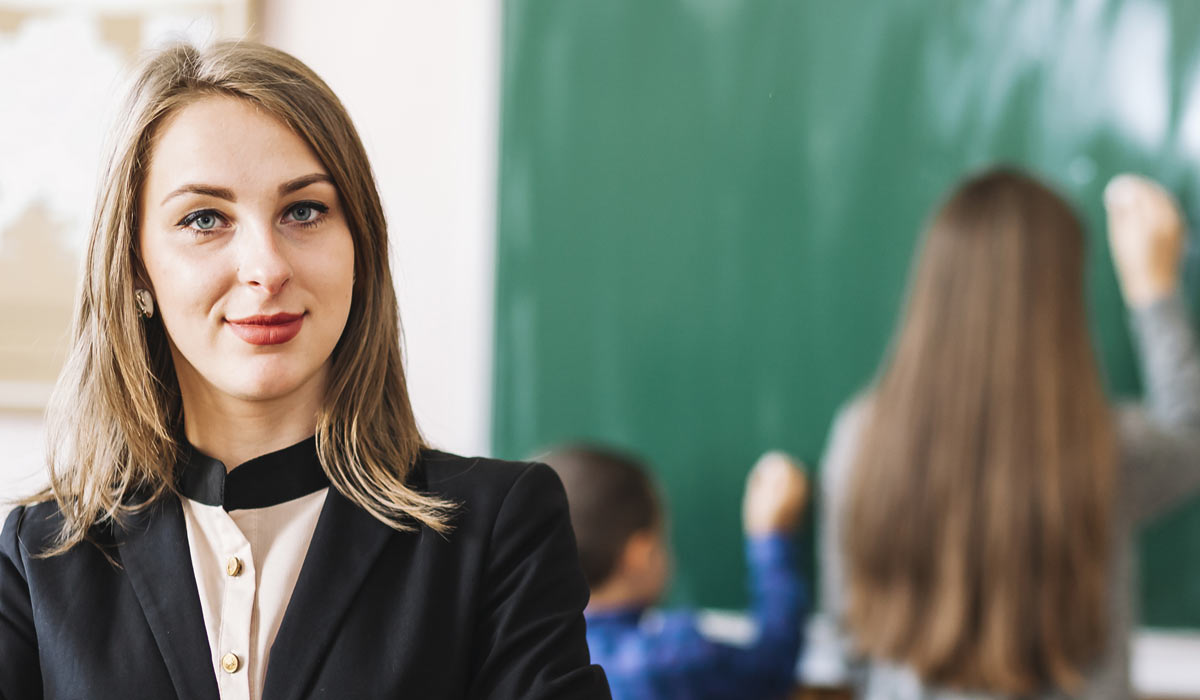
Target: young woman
point(240, 504)
point(981, 500)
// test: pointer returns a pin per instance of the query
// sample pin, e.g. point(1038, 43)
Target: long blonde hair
point(979, 520)
point(115, 419)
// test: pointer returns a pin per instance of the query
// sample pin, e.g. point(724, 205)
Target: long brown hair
point(115, 420)
point(978, 537)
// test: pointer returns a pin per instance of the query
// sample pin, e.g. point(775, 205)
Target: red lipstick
point(267, 330)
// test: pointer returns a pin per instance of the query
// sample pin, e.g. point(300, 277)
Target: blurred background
point(706, 211)
point(682, 226)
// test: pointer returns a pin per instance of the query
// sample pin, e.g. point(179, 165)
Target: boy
point(619, 527)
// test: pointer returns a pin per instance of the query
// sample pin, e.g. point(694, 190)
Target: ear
point(638, 554)
point(141, 279)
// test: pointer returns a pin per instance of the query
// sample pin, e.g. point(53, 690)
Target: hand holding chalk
point(776, 495)
point(1145, 234)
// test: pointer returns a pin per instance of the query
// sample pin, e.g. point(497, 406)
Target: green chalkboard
point(707, 209)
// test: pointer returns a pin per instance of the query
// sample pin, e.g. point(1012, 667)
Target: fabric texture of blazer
point(493, 610)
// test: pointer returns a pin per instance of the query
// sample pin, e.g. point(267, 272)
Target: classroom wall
point(21, 465)
point(420, 80)
point(707, 211)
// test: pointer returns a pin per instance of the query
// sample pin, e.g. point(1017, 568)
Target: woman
point(240, 504)
point(981, 501)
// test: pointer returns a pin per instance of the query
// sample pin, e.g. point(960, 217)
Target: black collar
point(263, 481)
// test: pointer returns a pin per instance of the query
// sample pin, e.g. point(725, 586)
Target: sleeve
point(20, 678)
point(532, 636)
point(1161, 437)
point(836, 466)
point(780, 599)
point(695, 655)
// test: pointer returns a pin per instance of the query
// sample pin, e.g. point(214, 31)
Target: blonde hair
point(115, 420)
point(979, 522)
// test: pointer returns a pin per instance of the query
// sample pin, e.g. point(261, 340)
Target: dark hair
point(611, 498)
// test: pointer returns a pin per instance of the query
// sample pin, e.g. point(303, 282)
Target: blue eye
point(204, 221)
point(307, 213)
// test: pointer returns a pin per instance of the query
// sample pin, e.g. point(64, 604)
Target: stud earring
point(145, 302)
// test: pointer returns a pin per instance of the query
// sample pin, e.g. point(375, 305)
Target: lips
point(267, 330)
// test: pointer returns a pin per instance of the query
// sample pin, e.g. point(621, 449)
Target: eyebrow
point(303, 181)
point(210, 190)
point(225, 193)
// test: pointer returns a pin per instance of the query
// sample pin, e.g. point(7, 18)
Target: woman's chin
point(269, 386)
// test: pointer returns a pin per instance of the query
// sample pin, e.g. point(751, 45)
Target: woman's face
point(248, 253)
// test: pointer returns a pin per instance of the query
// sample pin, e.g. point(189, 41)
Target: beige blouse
point(247, 548)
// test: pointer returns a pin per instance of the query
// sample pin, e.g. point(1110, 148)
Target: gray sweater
point(1160, 468)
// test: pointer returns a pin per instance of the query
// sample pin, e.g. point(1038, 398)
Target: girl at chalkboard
point(981, 500)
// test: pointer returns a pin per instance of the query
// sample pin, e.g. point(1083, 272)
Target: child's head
point(618, 522)
point(990, 447)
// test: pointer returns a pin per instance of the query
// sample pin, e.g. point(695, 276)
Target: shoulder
point(33, 527)
point(11, 532)
point(851, 418)
point(451, 474)
point(33, 530)
point(844, 436)
point(672, 643)
point(487, 486)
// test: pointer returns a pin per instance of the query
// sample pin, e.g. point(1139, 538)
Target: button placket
point(237, 607)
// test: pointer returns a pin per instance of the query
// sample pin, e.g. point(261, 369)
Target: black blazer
point(493, 610)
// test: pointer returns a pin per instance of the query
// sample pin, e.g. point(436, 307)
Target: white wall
point(21, 471)
point(421, 81)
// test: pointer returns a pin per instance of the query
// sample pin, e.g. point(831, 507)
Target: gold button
point(231, 663)
point(234, 567)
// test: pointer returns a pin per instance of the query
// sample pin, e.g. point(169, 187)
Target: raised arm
point(685, 654)
point(776, 496)
point(1161, 437)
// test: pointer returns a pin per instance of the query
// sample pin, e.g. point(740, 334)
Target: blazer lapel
point(154, 552)
point(345, 545)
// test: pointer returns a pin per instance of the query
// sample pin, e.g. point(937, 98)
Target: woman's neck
point(235, 430)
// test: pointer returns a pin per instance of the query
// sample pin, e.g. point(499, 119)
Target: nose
point(262, 262)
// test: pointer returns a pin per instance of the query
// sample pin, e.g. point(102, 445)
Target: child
point(1013, 575)
point(620, 528)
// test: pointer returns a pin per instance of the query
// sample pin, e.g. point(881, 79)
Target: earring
point(145, 302)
